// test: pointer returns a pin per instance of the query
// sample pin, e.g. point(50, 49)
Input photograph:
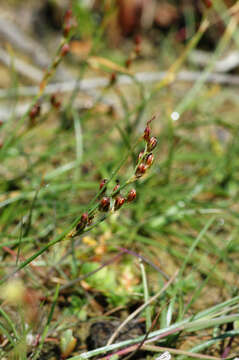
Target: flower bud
point(149, 159)
point(141, 169)
point(131, 195)
point(65, 49)
point(152, 143)
point(119, 201)
point(82, 223)
point(104, 204)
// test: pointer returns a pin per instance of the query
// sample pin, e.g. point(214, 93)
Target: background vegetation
point(166, 263)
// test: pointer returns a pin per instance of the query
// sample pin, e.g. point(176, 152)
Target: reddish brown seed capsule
point(112, 78)
point(115, 190)
point(119, 201)
point(84, 218)
point(102, 184)
point(83, 222)
point(66, 29)
point(65, 49)
point(207, 3)
point(128, 62)
point(147, 131)
point(141, 169)
point(152, 143)
point(68, 21)
point(137, 39)
point(104, 204)
point(35, 111)
point(149, 159)
point(68, 15)
point(55, 102)
point(140, 155)
point(131, 195)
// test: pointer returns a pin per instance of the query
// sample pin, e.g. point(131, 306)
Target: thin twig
point(101, 82)
point(227, 63)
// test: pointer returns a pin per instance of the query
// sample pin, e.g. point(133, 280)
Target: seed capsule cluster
point(146, 157)
point(115, 200)
point(68, 25)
